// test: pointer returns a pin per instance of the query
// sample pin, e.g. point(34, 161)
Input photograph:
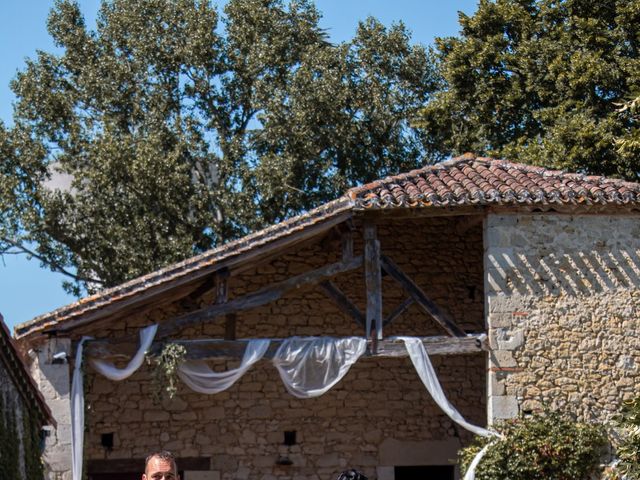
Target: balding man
point(160, 466)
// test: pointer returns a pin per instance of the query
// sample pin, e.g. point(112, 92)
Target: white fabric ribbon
point(471, 470)
point(309, 367)
point(427, 374)
point(112, 373)
point(77, 414)
point(199, 376)
point(77, 391)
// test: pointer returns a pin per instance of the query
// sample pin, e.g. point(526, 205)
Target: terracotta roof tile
point(468, 180)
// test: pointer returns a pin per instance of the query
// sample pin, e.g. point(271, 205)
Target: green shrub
point(549, 446)
point(627, 447)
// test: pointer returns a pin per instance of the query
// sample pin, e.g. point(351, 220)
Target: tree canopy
point(541, 82)
point(179, 127)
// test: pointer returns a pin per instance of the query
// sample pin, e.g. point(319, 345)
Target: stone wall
point(376, 414)
point(11, 416)
point(560, 297)
point(563, 298)
point(53, 379)
point(379, 416)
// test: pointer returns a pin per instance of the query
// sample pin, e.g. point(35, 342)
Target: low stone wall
point(563, 301)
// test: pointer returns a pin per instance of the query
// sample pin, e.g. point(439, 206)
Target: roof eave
point(230, 255)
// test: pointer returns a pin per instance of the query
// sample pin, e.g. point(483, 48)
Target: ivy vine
point(13, 434)
point(9, 447)
point(32, 446)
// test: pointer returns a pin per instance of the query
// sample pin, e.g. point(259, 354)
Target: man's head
point(160, 466)
point(352, 475)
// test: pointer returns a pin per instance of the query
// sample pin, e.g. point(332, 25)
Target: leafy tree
point(540, 82)
point(179, 128)
point(629, 144)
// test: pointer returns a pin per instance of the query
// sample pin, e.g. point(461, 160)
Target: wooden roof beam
point(258, 298)
point(225, 349)
point(331, 290)
point(373, 281)
point(421, 298)
point(398, 311)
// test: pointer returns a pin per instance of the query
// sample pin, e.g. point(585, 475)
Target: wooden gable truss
point(375, 264)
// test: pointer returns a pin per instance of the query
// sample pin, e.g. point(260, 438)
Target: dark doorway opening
point(132, 468)
point(425, 472)
point(116, 476)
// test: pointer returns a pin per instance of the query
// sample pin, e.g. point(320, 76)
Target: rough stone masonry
point(562, 305)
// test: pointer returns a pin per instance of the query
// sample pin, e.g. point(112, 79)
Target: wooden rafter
point(421, 298)
point(258, 298)
point(399, 310)
point(342, 302)
point(222, 285)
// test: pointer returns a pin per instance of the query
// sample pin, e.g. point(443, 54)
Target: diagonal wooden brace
point(421, 298)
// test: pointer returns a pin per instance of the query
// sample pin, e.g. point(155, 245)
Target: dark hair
point(162, 455)
point(352, 475)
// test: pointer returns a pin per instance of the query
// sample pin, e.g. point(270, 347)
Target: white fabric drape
point(77, 414)
point(112, 373)
point(309, 367)
point(199, 376)
point(471, 471)
point(77, 391)
point(427, 374)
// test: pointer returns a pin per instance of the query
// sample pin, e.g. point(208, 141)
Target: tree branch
point(52, 265)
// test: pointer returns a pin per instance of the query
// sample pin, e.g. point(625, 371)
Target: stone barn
point(521, 283)
point(24, 415)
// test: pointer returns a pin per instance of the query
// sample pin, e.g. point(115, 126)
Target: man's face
point(160, 469)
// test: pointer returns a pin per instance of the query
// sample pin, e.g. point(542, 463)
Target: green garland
point(165, 375)
point(34, 468)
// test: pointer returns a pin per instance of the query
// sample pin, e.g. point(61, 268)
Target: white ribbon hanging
point(309, 367)
point(471, 470)
point(427, 374)
point(77, 391)
point(199, 376)
point(112, 373)
point(77, 414)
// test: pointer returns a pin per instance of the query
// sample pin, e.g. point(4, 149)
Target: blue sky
point(26, 289)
